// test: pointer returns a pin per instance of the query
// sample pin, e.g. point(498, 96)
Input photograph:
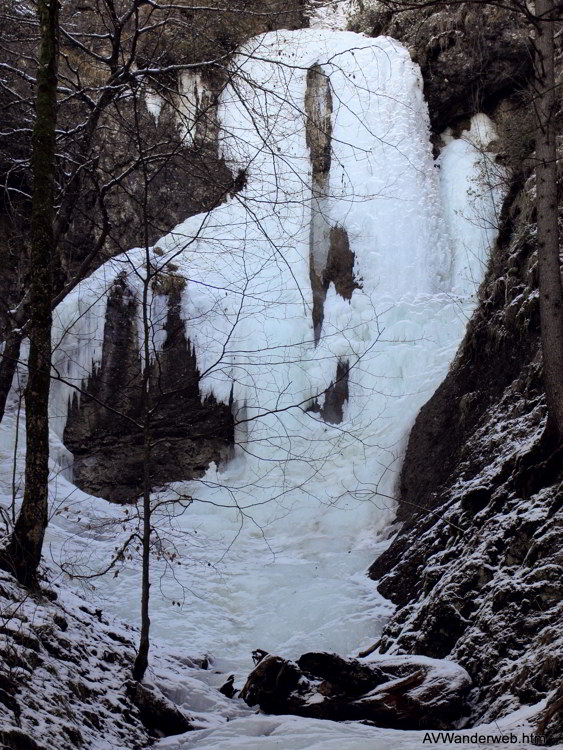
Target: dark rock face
point(318, 128)
point(551, 719)
point(187, 433)
point(15, 739)
point(397, 692)
point(336, 394)
point(339, 269)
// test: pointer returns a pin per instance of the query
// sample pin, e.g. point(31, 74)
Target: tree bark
point(8, 365)
point(550, 287)
point(142, 660)
point(23, 552)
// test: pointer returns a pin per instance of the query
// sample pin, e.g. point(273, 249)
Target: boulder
point(401, 692)
point(159, 715)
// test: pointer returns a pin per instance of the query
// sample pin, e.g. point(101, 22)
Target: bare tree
point(23, 553)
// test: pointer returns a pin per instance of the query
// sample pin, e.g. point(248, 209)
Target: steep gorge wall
point(476, 567)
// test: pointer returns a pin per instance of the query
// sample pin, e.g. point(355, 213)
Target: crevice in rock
point(318, 108)
point(318, 135)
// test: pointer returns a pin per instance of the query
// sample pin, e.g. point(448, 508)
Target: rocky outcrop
point(63, 667)
point(158, 714)
point(188, 432)
point(477, 576)
point(398, 692)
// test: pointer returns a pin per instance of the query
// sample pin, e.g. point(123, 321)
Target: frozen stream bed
point(271, 549)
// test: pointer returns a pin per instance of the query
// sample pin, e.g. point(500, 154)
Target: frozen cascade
point(275, 545)
point(193, 101)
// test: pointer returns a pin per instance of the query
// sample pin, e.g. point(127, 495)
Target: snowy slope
point(275, 544)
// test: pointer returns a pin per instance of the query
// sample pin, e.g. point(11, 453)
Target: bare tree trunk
point(142, 661)
point(551, 292)
point(23, 553)
point(8, 365)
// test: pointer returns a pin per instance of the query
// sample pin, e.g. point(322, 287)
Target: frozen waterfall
point(335, 264)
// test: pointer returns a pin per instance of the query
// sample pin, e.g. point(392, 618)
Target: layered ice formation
point(325, 301)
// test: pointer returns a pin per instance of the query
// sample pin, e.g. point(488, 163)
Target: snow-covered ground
point(272, 551)
point(260, 732)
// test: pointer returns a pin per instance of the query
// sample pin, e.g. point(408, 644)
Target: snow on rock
point(490, 597)
point(404, 692)
point(64, 667)
point(331, 14)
